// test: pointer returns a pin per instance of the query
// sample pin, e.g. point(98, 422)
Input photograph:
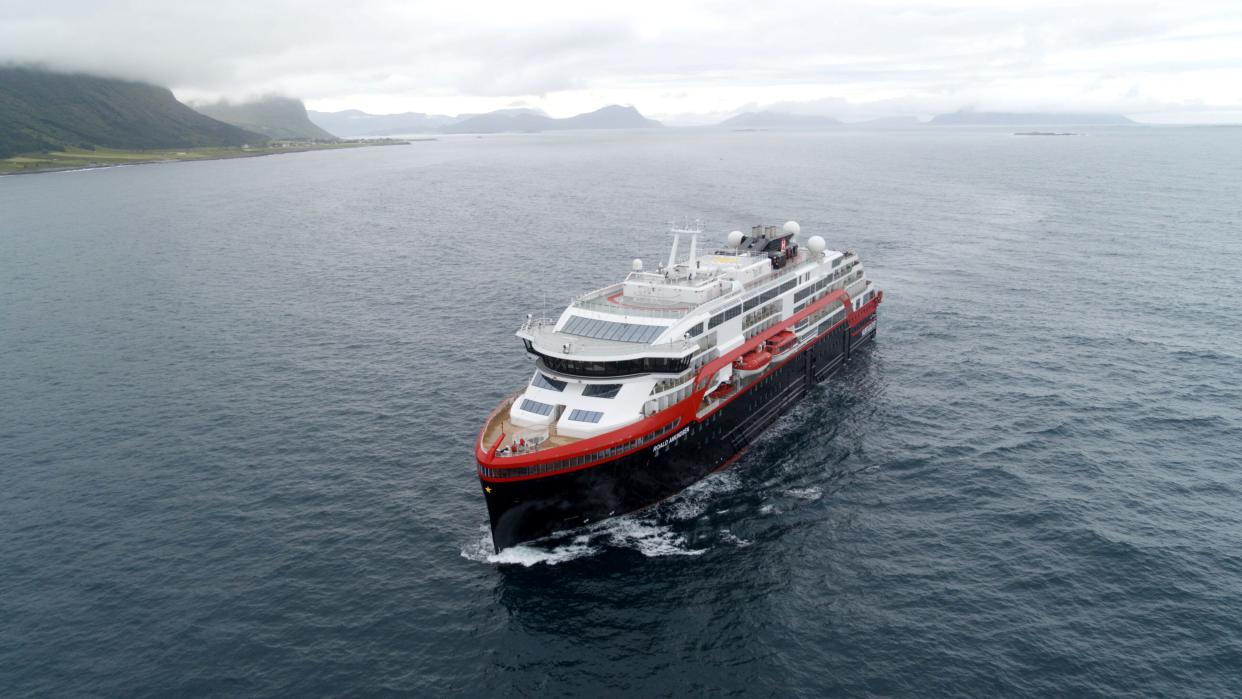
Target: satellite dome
point(792, 227)
point(636, 265)
point(816, 243)
point(735, 239)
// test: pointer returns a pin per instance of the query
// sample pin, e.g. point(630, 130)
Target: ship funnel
point(672, 255)
point(694, 245)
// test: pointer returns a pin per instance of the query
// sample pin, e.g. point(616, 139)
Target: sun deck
point(536, 438)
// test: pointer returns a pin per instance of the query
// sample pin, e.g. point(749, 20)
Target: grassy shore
point(76, 158)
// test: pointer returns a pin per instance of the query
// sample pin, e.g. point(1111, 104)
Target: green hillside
point(42, 111)
point(275, 117)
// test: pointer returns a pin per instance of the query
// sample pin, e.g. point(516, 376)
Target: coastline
point(105, 158)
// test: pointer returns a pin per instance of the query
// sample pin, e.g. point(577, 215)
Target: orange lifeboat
point(782, 342)
point(752, 362)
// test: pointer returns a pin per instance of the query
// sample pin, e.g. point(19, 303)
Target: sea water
point(238, 403)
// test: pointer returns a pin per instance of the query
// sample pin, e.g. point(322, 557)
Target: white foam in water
point(647, 537)
point(641, 533)
point(526, 555)
point(812, 493)
point(694, 501)
point(729, 537)
point(530, 555)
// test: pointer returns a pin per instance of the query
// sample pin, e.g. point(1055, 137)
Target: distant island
point(753, 121)
point(354, 123)
point(1043, 133)
point(775, 120)
point(51, 120)
point(969, 118)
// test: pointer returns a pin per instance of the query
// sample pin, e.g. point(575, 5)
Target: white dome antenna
point(636, 265)
point(735, 239)
point(792, 227)
point(816, 244)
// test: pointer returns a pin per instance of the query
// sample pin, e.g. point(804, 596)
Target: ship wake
point(653, 532)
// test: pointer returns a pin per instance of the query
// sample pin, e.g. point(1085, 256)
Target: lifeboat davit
point(781, 343)
point(752, 362)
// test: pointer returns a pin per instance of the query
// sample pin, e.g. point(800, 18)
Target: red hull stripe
point(684, 410)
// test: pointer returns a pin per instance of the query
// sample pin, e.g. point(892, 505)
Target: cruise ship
point(645, 386)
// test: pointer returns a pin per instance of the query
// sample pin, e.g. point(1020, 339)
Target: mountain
point(41, 111)
point(355, 124)
point(968, 118)
point(894, 122)
point(275, 117)
point(611, 117)
point(508, 120)
point(779, 120)
point(501, 121)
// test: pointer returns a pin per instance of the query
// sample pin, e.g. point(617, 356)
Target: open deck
point(537, 438)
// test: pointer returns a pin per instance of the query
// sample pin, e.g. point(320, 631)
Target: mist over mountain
point(356, 124)
point(274, 117)
point(42, 110)
point(970, 118)
point(893, 122)
point(353, 123)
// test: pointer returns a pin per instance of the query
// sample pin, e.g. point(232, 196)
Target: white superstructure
point(633, 348)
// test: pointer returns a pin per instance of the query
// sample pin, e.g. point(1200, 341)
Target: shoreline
point(190, 155)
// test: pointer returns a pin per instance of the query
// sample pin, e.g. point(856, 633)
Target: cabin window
point(542, 381)
point(601, 390)
point(534, 406)
point(585, 415)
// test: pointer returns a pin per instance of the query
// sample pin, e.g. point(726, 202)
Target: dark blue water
point(238, 401)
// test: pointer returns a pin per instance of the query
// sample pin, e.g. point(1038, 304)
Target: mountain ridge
point(43, 110)
point(779, 120)
point(355, 123)
point(273, 116)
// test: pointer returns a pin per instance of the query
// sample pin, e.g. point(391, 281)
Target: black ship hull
point(522, 510)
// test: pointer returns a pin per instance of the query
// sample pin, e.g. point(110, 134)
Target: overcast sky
point(684, 62)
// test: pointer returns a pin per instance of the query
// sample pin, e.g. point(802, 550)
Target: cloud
point(849, 58)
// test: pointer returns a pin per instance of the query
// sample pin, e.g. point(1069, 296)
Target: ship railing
point(583, 348)
point(597, 300)
point(533, 324)
point(602, 291)
point(490, 437)
point(630, 310)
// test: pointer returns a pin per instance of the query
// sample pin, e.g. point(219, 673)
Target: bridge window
point(624, 367)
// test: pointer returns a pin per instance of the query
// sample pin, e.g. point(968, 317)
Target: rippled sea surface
point(238, 401)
